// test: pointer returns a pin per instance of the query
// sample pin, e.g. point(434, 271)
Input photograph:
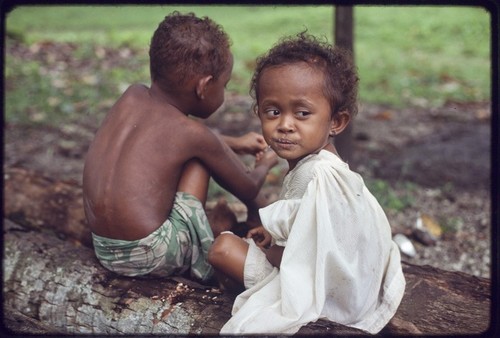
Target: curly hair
point(341, 79)
point(184, 46)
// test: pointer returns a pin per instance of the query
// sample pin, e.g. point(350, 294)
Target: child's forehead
point(294, 77)
point(297, 66)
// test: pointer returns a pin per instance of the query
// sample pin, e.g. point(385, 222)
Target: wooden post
point(344, 37)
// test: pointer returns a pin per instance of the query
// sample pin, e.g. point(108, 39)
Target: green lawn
point(406, 55)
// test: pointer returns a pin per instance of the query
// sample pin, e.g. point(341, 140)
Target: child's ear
point(339, 123)
point(201, 86)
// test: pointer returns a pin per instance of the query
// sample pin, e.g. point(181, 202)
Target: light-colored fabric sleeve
point(338, 249)
point(279, 219)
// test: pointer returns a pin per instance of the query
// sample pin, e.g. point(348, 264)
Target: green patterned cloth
point(179, 244)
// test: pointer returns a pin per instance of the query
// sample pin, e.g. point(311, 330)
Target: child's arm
point(224, 164)
point(253, 206)
point(263, 239)
point(250, 143)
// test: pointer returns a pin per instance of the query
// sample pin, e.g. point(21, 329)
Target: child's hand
point(250, 143)
point(260, 236)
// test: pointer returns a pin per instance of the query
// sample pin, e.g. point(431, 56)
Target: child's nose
point(286, 124)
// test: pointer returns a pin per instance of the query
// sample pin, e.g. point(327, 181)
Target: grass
point(388, 197)
point(426, 55)
point(406, 56)
point(133, 26)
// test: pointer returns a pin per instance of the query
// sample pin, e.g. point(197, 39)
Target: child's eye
point(302, 114)
point(272, 112)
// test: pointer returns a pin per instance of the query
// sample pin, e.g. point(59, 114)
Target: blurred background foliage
point(74, 61)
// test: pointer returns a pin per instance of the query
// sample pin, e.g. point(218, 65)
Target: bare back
point(134, 164)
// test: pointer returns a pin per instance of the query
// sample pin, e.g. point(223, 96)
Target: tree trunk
point(344, 37)
point(54, 284)
point(344, 27)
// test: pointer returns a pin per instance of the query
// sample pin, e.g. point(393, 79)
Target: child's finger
point(264, 242)
point(252, 232)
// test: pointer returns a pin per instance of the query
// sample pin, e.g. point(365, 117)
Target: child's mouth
point(284, 143)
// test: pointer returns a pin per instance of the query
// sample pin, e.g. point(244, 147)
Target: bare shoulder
point(198, 134)
point(135, 92)
point(133, 98)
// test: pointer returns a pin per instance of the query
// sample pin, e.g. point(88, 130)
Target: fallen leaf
point(482, 114)
point(431, 225)
point(384, 115)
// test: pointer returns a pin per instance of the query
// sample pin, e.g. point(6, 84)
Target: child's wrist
point(267, 166)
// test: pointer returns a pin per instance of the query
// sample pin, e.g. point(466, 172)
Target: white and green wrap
point(180, 243)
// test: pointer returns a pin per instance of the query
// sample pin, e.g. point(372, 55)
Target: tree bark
point(54, 284)
point(62, 288)
point(40, 202)
point(58, 287)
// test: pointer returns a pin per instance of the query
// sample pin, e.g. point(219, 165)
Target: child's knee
point(221, 248)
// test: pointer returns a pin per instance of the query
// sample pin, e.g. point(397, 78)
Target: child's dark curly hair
point(341, 79)
point(184, 45)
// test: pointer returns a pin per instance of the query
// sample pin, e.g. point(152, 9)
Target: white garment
point(257, 267)
point(339, 260)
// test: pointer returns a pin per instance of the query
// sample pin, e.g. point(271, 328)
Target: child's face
point(294, 112)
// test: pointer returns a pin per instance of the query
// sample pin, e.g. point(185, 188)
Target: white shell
point(405, 245)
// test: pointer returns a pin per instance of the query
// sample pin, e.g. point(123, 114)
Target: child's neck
point(328, 147)
point(331, 148)
point(163, 98)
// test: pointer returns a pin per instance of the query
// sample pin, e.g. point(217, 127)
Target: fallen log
point(40, 202)
point(44, 206)
point(63, 287)
point(59, 287)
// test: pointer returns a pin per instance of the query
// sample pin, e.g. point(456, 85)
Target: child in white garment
point(325, 248)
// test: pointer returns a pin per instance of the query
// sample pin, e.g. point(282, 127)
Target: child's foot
point(221, 217)
point(228, 285)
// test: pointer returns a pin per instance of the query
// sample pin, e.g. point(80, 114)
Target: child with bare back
point(147, 170)
point(325, 248)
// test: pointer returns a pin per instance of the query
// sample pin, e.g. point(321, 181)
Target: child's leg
point(195, 180)
point(227, 255)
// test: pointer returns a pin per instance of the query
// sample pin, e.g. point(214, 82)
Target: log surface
point(54, 284)
point(62, 287)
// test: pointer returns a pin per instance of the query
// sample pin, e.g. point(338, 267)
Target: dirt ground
point(439, 159)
